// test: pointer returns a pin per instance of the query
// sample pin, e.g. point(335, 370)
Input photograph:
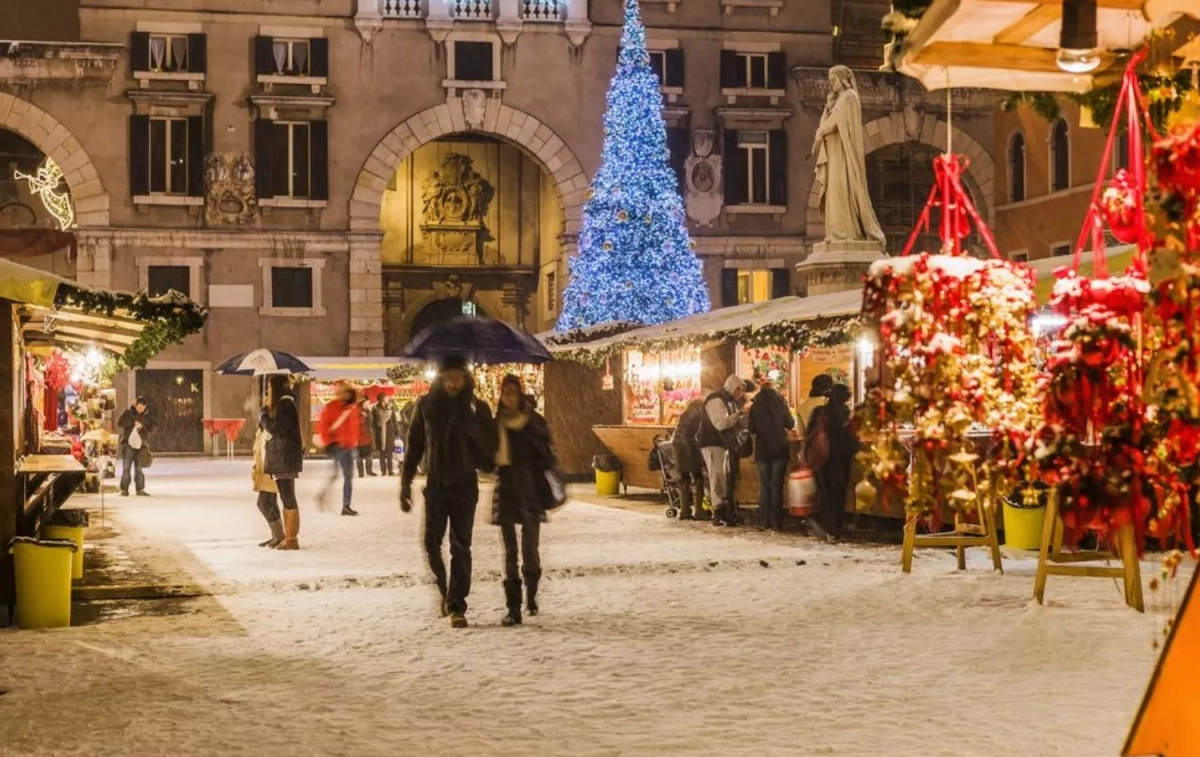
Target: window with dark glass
point(168, 156)
point(1060, 157)
point(1060, 250)
point(291, 287)
point(744, 70)
point(290, 161)
point(473, 61)
point(1016, 168)
point(167, 278)
point(755, 167)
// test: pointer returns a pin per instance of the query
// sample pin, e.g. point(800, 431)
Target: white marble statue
point(841, 165)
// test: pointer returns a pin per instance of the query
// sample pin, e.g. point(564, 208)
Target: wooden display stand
point(1052, 561)
point(965, 534)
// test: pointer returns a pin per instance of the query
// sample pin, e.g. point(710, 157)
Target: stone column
point(837, 266)
point(366, 295)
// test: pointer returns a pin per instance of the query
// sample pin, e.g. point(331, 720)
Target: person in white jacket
point(717, 439)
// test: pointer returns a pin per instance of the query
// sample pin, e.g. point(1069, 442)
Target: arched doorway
point(35, 201)
point(471, 224)
point(899, 179)
point(444, 310)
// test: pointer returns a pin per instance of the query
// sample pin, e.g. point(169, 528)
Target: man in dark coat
point(457, 436)
point(770, 421)
point(386, 425)
point(689, 460)
point(135, 425)
point(830, 430)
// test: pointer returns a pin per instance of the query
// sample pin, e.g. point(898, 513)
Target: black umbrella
point(480, 340)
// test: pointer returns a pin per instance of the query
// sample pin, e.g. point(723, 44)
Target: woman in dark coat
point(829, 432)
point(689, 461)
point(284, 459)
point(523, 494)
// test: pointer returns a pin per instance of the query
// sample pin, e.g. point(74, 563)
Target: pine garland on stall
point(169, 318)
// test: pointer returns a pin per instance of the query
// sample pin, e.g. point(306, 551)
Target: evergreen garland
point(168, 319)
point(1165, 94)
point(784, 335)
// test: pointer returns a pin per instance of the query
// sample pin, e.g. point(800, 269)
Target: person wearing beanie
point(817, 396)
point(718, 440)
point(456, 436)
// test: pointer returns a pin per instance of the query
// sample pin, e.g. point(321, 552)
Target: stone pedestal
point(838, 266)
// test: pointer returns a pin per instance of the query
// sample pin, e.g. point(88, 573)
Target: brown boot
point(291, 530)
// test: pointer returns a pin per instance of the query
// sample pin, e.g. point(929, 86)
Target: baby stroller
point(662, 459)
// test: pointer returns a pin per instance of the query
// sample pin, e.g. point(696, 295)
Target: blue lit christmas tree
point(635, 260)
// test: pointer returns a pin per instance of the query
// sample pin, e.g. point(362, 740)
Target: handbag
point(816, 445)
point(145, 457)
point(558, 487)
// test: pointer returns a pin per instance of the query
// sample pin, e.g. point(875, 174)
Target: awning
point(44, 320)
point(358, 369)
point(1011, 44)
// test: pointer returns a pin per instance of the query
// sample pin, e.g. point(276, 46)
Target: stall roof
point(44, 321)
point(351, 368)
point(1011, 44)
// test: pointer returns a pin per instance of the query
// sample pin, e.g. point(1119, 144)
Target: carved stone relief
point(702, 178)
point(455, 201)
point(229, 195)
point(474, 107)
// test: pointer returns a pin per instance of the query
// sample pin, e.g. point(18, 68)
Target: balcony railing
point(401, 8)
point(552, 11)
point(470, 10)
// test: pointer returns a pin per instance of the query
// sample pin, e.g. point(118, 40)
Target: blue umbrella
point(480, 340)
point(262, 363)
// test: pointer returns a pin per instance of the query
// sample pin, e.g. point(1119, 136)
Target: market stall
point(658, 370)
point(41, 313)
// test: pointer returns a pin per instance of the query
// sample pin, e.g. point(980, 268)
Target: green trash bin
point(43, 582)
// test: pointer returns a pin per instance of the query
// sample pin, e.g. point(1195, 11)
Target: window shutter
point(195, 156)
point(734, 165)
point(318, 50)
point(729, 287)
point(781, 282)
point(139, 51)
point(262, 158)
point(318, 150)
point(777, 146)
point(677, 145)
point(776, 71)
point(733, 70)
point(197, 53)
point(264, 56)
point(139, 155)
point(674, 58)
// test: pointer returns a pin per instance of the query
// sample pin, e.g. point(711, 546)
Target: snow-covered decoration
point(959, 371)
point(1173, 376)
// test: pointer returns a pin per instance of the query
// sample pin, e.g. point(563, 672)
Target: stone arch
point(502, 121)
point(927, 129)
point(57, 142)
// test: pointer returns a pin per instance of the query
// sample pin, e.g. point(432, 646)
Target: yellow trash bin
point(43, 582)
point(608, 483)
point(1023, 527)
point(70, 533)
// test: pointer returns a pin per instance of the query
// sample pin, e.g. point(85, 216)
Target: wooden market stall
point(653, 373)
point(40, 310)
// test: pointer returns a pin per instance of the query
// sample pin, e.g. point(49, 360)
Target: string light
point(635, 260)
point(44, 183)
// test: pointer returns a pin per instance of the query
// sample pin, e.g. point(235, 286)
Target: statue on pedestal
point(841, 165)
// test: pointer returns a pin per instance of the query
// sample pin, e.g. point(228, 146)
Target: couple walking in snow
point(456, 436)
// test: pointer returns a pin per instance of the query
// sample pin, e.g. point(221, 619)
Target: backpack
point(816, 442)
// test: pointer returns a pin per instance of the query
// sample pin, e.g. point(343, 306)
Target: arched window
point(1060, 157)
point(1016, 168)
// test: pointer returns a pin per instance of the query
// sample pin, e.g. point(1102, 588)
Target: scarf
point(509, 421)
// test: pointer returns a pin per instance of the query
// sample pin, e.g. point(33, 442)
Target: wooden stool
point(1052, 561)
point(965, 534)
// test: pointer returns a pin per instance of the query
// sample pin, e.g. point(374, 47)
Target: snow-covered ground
point(656, 638)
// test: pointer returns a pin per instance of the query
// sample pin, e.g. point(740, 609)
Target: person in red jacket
point(340, 427)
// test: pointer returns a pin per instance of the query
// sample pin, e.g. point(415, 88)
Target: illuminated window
point(754, 286)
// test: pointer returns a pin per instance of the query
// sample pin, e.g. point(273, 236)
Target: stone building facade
point(328, 175)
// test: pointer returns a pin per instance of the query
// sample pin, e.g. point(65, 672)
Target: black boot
point(531, 587)
point(512, 597)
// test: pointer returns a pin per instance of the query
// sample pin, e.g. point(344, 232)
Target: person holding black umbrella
point(456, 435)
point(283, 453)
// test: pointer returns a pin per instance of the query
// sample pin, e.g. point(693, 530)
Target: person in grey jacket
point(718, 440)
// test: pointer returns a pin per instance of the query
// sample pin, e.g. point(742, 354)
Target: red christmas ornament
point(1177, 160)
point(1120, 207)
